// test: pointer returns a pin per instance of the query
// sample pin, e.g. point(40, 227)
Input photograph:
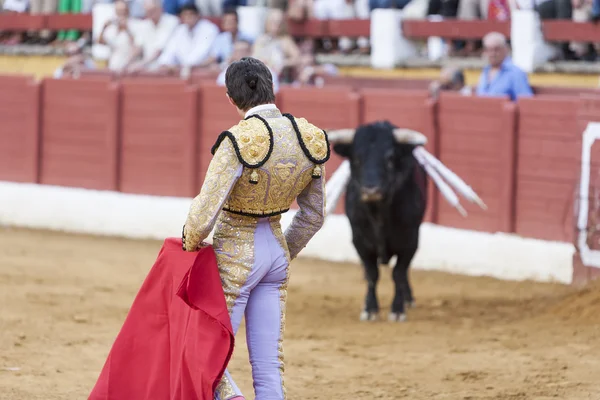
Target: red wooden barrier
point(158, 128)
point(477, 141)
point(215, 115)
point(565, 30)
point(79, 134)
point(563, 91)
point(453, 29)
point(549, 148)
point(349, 27)
point(19, 129)
point(311, 28)
point(405, 109)
point(82, 22)
point(327, 108)
point(21, 22)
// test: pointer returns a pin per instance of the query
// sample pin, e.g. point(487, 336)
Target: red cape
point(177, 338)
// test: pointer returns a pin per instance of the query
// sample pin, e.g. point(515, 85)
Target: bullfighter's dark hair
point(249, 83)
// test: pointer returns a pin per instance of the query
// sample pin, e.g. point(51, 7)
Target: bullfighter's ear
point(343, 149)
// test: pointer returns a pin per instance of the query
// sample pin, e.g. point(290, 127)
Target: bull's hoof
point(410, 304)
point(369, 316)
point(396, 317)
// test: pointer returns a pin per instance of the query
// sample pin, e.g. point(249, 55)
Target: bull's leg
point(371, 310)
point(403, 291)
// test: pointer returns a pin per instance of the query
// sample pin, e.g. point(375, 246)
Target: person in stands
point(118, 35)
point(223, 45)
point(190, 44)
point(501, 77)
point(451, 79)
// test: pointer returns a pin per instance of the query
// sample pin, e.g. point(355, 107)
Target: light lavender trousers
point(260, 302)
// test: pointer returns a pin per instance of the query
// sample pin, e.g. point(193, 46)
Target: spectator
point(300, 10)
point(241, 49)
point(76, 62)
point(451, 79)
point(311, 73)
point(136, 8)
point(42, 7)
point(152, 38)
point(276, 48)
point(223, 45)
point(118, 35)
point(190, 44)
point(501, 77)
point(69, 7)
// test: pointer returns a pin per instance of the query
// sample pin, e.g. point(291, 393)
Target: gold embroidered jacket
point(260, 166)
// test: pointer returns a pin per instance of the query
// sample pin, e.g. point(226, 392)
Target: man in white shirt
point(241, 49)
point(191, 43)
point(153, 36)
point(118, 35)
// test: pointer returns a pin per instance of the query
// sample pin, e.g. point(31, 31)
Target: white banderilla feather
point(453, 179)
point(443, 187)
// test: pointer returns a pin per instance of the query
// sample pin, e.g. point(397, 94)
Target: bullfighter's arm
point(310, 218)
point(223, 172)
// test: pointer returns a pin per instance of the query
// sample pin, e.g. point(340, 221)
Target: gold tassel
point(254, 177)
point(316, 174)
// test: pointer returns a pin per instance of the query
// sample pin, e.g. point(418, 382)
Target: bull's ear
point(343, 149)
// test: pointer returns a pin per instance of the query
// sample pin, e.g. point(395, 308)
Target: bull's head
point(380, 155)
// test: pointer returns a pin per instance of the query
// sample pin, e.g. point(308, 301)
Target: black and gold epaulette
point(313, 142)
point(252, 139)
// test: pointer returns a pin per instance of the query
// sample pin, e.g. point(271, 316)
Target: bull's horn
point(341, 136)
point(409, 136)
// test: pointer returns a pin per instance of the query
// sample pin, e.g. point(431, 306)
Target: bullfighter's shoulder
point(313, 140)
point(252, 140)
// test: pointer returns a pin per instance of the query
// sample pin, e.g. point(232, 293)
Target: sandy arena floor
point(63, 299)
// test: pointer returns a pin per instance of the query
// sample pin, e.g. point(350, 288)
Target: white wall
point(136, 216)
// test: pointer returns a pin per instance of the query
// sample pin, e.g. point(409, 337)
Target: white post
point(529, 50)
point(589, 257)
point(101, 12)
point(388, 45)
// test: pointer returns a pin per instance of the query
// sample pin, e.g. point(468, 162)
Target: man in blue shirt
point(501, 77)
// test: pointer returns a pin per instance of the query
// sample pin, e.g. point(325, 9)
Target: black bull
point(386, 200)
